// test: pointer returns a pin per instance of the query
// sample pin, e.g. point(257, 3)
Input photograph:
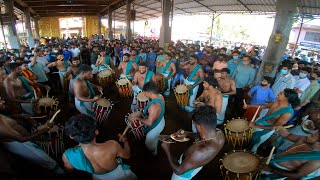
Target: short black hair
point(81, 128)
point(85, 68)
point(212, 81)
point(127, 54)
point(292, 97)
point(247, 56)
point(225, 70)
point(289, 66)
point(169, 54)
point(151, 86)
point(194, 56)
point(12, 66)
point(143, 64)
point(205, 115)
point(269, 79)
point(235, 52)
point(75, 59)
point(308, 69)
point(317, 73)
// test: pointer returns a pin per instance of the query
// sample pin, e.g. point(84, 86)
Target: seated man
point(168, 69)
point(83, 91)
point(299, 161)
point(280, 111)
point(31, 76)
point(17, 140)
point(99, 159)
point(104, 61)
point(201, 152)
point(127, 67)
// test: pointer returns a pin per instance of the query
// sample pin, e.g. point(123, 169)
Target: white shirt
point(75, 52)
point(283, 82)
point(43, 60)
point(302, 84)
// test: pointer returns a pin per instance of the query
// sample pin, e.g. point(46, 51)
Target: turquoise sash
point(107, 60)
point(92, 93)
point(27, 86)
point(167, 67)
point(256, 135)
point(193, 73)
point(137, 59)
point(129, 65)
point(66, 63)
point(158, 120)
point(148, 76)
point(78, 159)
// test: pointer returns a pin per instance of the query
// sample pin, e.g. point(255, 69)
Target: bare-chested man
point(127, 68)
point(134, 56)
point(98, 159)
point(104, 61)
point(201, 152)
point(195, 78)
point(153, 116)
point(299, 161)
point(62, 65)
point(83, 91)
point(140, 78)
point(73, 71)
point(17, 140)
point(280, 111)
point(168, 69)
point(211, 96)
point(19, 89)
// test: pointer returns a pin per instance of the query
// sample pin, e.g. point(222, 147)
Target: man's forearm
point(286, 173)
point(173, 165)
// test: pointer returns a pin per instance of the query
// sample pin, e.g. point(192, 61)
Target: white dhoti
point(187, 175)
point(84, 107)
point(95, 69)
point(153, 135)
point(136, 90)
point(122, 172)
point(193, 95)
point(61, 74)
point(263, 139)
point(221, 115)
point(263, 113)
point(27, 107)
point(126, 76)
point(168, 84)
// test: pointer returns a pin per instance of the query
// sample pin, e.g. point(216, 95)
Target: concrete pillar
point(110, 33)
point(128, 22)
point(285, 13)
point(99, 27)
point(12, 36)
point(36, 27)
point(165, 31)
point(27, 22)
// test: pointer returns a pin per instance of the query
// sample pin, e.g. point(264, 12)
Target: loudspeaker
point(133, 15)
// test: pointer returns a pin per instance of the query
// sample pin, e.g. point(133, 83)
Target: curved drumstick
point(35, 94)
point(126, 130)
point(54, 116)
point(48, 93)
point(255, 114)
point(285, 127)
point(244, 103)
point(270, 155)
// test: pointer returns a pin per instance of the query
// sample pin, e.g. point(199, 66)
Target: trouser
point(61, 74)
point(176, 78)
point(152, 137)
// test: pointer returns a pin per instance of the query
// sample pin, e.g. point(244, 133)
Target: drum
point(105, 78)
point(52, 141)
point(137, 127)
point(240, 165)
point(124, 89)
point(142, 101)
point(182, 95)
point(161, 82)
point(46, 106)
point(238, 132)
point(102, 109)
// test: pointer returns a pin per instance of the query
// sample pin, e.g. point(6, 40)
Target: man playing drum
point(211, 96)
point(168, 70)
point(127, 68)
point(141, 77)
point(99, 159)
point(201, 152)
point(19, 89)
point(62, 66)
point(104, 62)
point(299, 161)
point(17, 140)
point(153, 116)
point(83, 91)
point(195, 78)
point(73, 70)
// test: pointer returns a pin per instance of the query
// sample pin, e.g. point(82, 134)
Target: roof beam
point(23, 4)
point(245, 6)
point(204, 6)
point(66, 5)
point(110, 5)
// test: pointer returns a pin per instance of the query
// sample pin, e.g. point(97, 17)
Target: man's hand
point(96, 98)
point(189, 86)
point(165, 146)
point(265, 167)
point(122, 138)
point(47, 88)
point(284, 133)
point(180, 133)
point(50, 125)
point(252, 125)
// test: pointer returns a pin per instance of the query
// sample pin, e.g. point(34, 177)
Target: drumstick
point(285, 127)
point(48, 93)
point(270, 155)
point(125, 130)
point(255, 114)
point(54, 116)
point(35, 94)
point(244, 103)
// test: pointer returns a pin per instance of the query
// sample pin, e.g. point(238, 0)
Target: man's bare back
point(14, 87)
point(10, 130)
point(212, 98)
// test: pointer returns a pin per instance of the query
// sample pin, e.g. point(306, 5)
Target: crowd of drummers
point(216, 87)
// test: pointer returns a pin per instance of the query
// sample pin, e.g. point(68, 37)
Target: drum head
point(159, 77)
point(181, 88)
point(237, 125)
point(104, 102)
point(46, 102)
point(104, 73)
point(55, 128)
point(142, 98)
point(241, 162)
point(122, 82)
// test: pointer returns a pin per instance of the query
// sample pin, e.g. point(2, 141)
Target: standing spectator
point(66, 53)
point(262, 93)
point(303, 82)
point(75, 51)
point(37, 68)
point(284, 79)
point(151, 58)
point(234, 62)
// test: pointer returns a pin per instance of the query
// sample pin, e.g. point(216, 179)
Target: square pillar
point(128, 22)
point(36, 27)
point(99, 27)
point(30, 38)
point(165, 31)
point(12, 36)
point(110, 33)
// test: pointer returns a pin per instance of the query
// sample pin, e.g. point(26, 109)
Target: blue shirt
point(151, 57)
point(261, 96)
point(232, 66)
point(243, 75)
point(67, 54)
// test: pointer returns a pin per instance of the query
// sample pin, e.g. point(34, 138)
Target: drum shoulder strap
point(26, 85)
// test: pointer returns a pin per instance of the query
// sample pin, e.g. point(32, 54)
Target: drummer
point(168, 70)
point(127, 68)
point(104, 62)
point(141, 77)
point(17, 140)
point(83, 91)
point(153, 116)
point(201, 152)
point(280, 111)
point(211, 96)
point(62, 66)
point(19, 89)
point(195, 78)
point(73, 70)
point(98, 159)
point(299, 161)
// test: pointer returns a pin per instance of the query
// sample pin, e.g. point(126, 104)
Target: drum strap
point(137, 59)
point(283, 110)
point(158, 120)
point(167, 67)
point(193, 73)
point(66, 63)
point(26, 85)
point(312, 155)
point(107, 60)
point(92, 93)
point(148, 76)
point(128, 68)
